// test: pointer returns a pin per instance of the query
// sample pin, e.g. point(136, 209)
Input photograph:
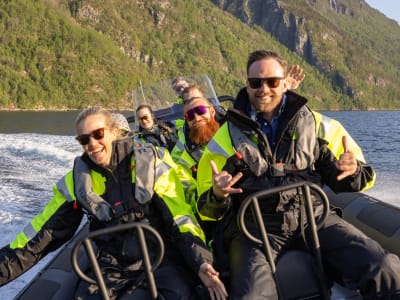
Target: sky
point(390, 8)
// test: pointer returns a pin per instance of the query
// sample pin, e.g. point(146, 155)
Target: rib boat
point(295, 273)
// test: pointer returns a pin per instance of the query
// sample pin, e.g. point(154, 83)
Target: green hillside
point(70, 54)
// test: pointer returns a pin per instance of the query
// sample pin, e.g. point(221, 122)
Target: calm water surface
point(54, 122)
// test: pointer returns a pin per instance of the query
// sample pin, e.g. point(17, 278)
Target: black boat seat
point(296, 276)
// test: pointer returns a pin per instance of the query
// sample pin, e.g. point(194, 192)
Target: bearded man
point(201, 123)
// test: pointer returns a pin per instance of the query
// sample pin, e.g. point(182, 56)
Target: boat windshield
point(164, 99)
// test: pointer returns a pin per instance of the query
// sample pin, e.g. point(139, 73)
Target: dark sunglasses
point(144, 118)
point(199, 110)
point(272, 82)
point(84, 139)
point(179, 88)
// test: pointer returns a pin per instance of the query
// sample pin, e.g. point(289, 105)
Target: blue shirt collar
point(252, 113)
point(271, 129)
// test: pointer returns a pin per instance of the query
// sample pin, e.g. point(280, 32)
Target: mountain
point(72, 53)
point(354, 46)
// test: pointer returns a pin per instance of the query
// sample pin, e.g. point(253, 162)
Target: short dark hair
point(177, 79)
point(189, 88)
point(140, 107)
point(265, 54)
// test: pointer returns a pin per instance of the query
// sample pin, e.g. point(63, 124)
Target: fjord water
point(38, 148)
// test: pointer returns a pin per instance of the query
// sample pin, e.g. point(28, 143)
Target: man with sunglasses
point(178, 85)
point(201, 123)
point(272, 138)
point(154, 131)
point(137, 184)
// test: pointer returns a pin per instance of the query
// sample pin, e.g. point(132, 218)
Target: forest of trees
point(70, 54)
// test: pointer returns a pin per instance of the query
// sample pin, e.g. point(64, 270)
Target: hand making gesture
point(294, 77)
point(347, 162)
point(223, 182)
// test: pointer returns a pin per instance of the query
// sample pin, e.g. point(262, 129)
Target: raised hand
point(210, 279)
point(294, 77)
point(223, 182)
point(347, 162)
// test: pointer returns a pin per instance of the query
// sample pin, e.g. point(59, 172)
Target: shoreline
point(130, 110)
point(53, 110)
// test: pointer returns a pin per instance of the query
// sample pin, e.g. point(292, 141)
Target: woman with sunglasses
point(119, 169)
point(154, 131)
point(270, 140)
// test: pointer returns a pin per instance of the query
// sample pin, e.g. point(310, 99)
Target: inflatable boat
point(379, 220)
point(59, 279)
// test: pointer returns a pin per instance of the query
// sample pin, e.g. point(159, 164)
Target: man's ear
point(285, 85)
point(212, 111)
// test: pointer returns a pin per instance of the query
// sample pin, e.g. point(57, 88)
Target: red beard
point(202, 132)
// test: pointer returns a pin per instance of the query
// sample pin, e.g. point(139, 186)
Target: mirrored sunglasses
point(84, 139)
point(199, 110)
point(272, 82)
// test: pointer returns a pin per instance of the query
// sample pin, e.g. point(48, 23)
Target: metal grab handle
point(253, 199)
point(304, 188)
point(149, 269)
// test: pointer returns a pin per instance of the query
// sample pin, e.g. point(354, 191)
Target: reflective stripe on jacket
point(62, 193)
point(166, 185)
point(320, 138)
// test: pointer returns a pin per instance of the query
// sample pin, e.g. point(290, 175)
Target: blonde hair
point(96, 110)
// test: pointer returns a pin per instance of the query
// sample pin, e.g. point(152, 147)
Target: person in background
point(178, 85)
point(154, 131)
point(122, 124)
point(275, 139)
point(119, 169)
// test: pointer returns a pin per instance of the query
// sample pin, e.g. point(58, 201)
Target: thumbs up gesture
point(347, 162)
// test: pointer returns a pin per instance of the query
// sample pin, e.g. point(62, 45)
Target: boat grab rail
point(148, 267)
point(303, 188)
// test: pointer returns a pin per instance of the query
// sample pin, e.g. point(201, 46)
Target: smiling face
point(266, 99)
point(98, 149)
point(145, 118)
point(179, 86)
point(196, 116)
point(200, 118)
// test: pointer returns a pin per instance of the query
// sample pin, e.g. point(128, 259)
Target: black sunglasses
point(84, 139)
point(179, 88)
point(199, 110)
point(272, 82)
point(144, 118)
